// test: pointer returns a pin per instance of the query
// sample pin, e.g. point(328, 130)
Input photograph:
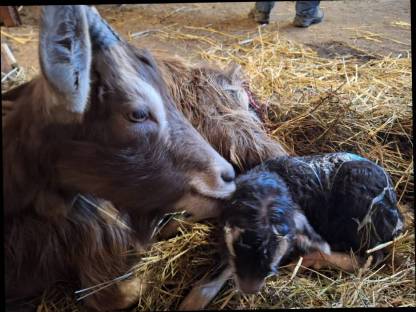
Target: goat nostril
point(228, 176)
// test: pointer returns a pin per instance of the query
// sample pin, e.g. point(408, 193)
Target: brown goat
point(89, 129)
point(81, 238)
point(217, 104)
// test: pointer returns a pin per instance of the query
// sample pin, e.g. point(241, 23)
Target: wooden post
point(10, 16)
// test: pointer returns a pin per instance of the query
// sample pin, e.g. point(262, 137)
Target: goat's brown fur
point(217, 105)
point(50, 155)
point(57, 145)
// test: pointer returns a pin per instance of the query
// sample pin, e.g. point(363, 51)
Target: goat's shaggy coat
point(67, 145)
point(217, 103)
point(92, 127)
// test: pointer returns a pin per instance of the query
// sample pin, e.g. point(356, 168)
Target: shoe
point(306, 21)
point(259, 17)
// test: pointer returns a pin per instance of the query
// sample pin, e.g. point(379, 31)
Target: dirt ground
point(377, 26)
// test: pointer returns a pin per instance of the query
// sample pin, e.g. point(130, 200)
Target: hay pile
point(315, 105)
point(325, 105)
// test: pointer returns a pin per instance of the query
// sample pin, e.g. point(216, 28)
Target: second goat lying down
point(280, 207)
point(219, 104)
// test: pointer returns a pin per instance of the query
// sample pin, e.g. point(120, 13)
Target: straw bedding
point(314, 105)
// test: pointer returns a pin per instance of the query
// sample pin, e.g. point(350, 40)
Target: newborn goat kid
point(347, 199)
point(262, 228)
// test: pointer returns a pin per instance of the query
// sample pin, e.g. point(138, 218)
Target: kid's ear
point(306, 239)
point(236, 73)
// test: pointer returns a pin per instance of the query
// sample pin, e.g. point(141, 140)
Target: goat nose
point(228, 175)
point(250, 286)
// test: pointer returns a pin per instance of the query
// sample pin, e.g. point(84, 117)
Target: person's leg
point(307, 13)
point(264, 6)
point(261, 11)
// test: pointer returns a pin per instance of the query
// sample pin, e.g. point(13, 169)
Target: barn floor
point(377, 26)
point(364, 30)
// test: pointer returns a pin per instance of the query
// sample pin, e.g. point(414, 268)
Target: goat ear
point(236, 73)
point(65, 54)
point(237, 78)
point(102, 34)
point(306, 239)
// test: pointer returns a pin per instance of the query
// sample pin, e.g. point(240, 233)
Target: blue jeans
point(303, 8)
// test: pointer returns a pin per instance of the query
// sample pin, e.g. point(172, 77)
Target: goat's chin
point(212, 188)
point(249, 287)
point(198, 206)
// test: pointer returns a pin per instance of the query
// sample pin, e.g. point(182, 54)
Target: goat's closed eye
point(139, 115)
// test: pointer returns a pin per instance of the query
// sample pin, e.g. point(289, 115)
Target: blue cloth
point(303, 8)
point(356, 157)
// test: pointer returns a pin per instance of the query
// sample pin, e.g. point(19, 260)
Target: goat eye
point(138, 116)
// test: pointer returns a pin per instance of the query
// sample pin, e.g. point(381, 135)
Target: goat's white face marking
point(229, 240)
point(138, 89)
point(230, 235)
point(281, 250)
point(151, 96)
